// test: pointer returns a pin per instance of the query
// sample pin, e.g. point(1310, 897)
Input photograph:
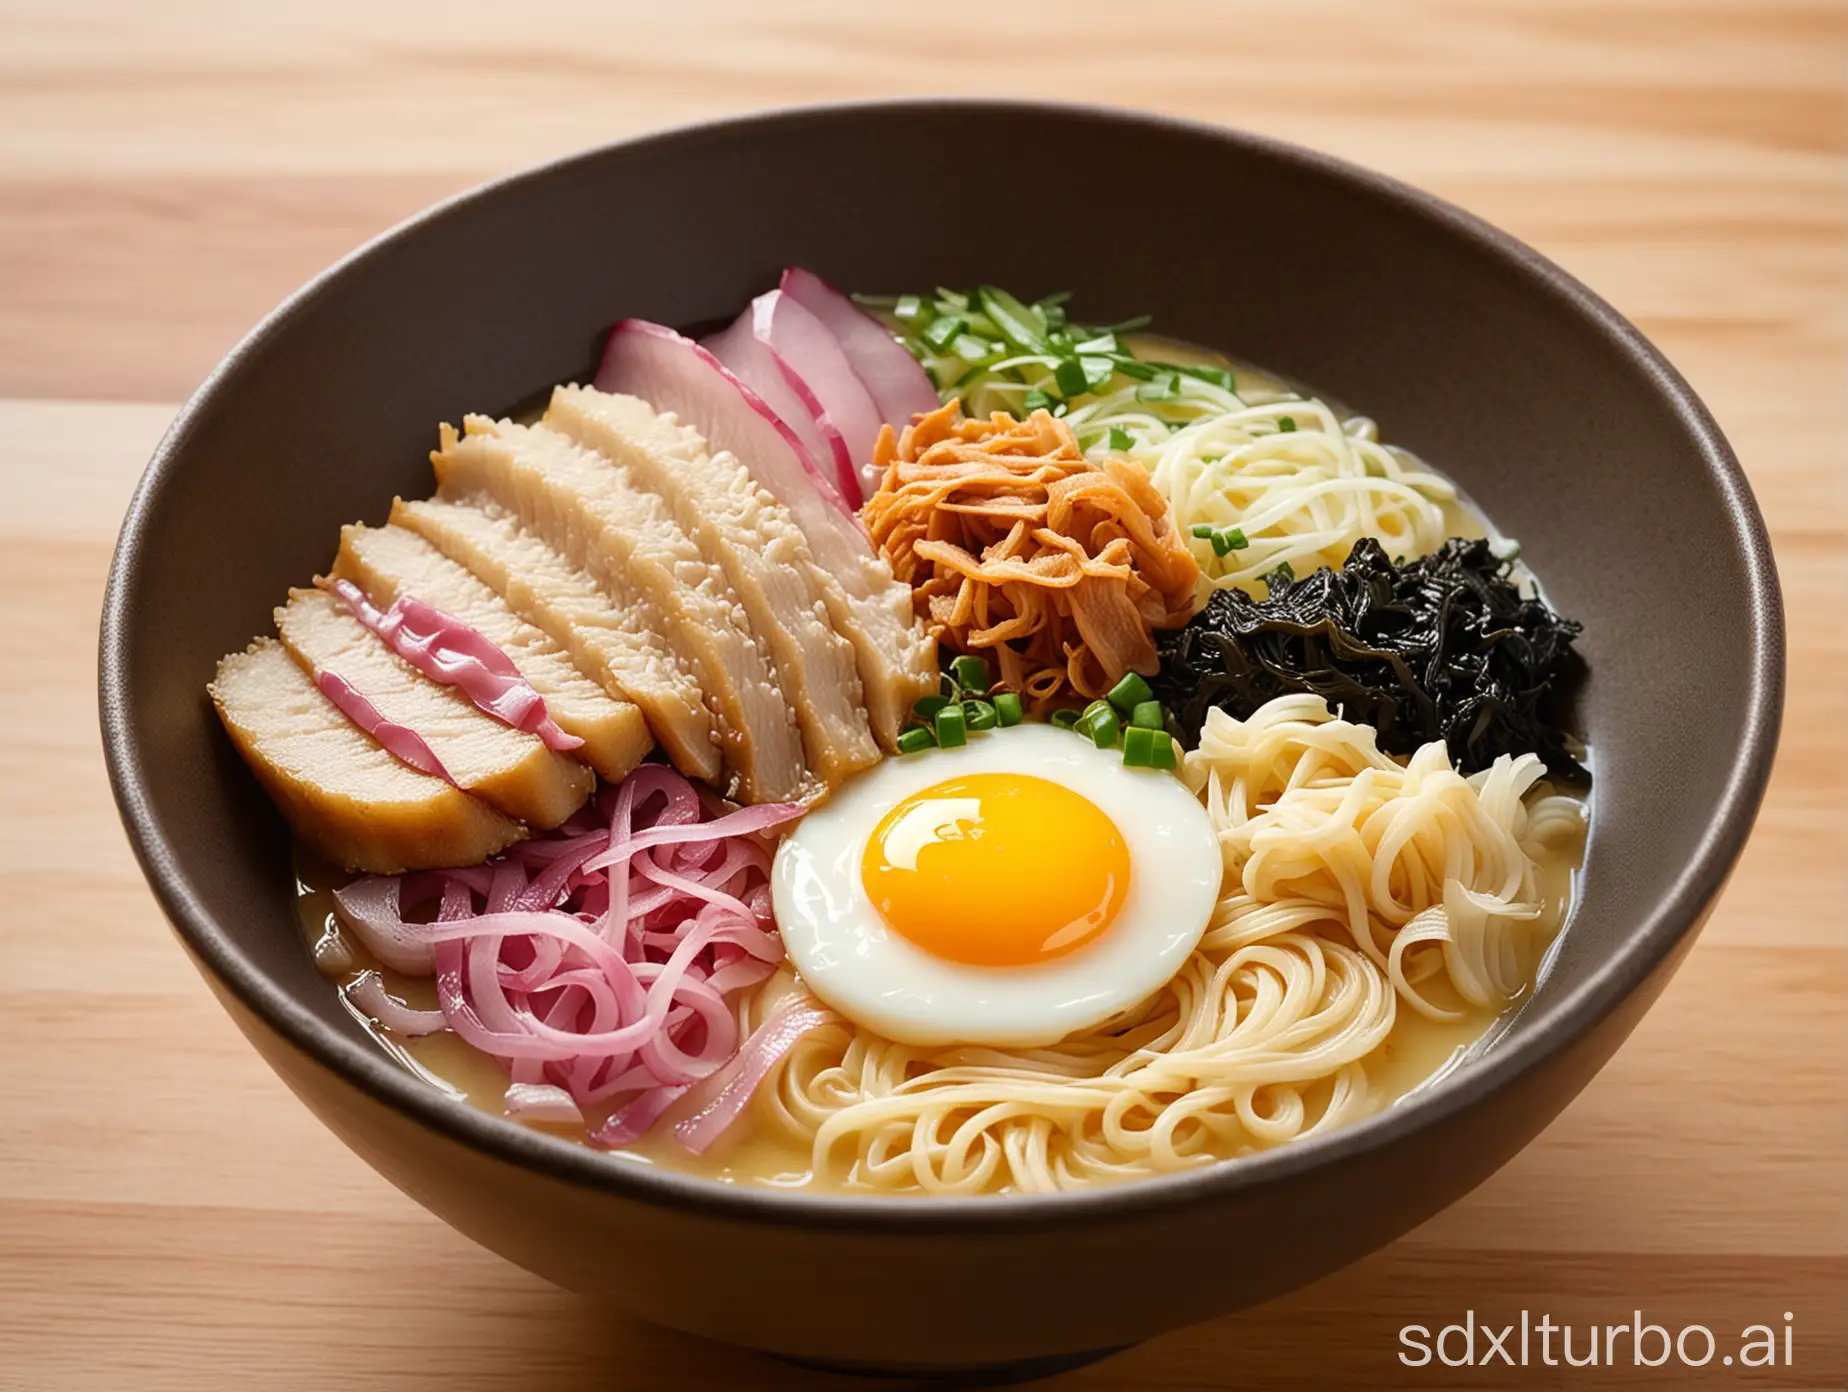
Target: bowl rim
point(1560, 1024)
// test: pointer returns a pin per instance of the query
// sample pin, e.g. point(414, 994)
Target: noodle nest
point(1354, 884)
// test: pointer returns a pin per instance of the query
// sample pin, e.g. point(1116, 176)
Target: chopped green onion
point(911, 741)
point(1036, 400)
point(1165, 387)
point(1139, 747)
point(1285, 424)
point(936, 382)
point(927, 707)
point(1008, 710)
point(1056, 298)
point(1065, 719)
point(1218, 376)
point(1147, 716)
point(1129, 693)
point(971, 674)
point(1013, 320)
point(1163, 752)
point(954, 299)
point(1224, 539)
point(972, 349)
point(1130, 325)
point(1120, 439)
point(942, 331)
point(1100, 727)
point(1071, 378)
point(980, 715)
point(1097, 372)
point(1102, 341)
point(952, 727)
point(1134, 367)
point(1282, 569)
point(909, 309)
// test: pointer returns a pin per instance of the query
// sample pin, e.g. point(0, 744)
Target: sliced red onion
point(400, 741)
point(542, 1102)
point(812, 357)
point(369, 994)
point(595, 963)
point(896, 380)
point(370, 909)
point(449, 652)
point(673, 373)
point(747, 352)
point(773, 1039)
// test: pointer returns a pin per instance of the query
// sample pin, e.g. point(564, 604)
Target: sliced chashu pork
point(610, 642)
point(509, 768)
point(387, 562)
point(346, 797)
point(591, 508)
point(868, 606)
point(753, 539)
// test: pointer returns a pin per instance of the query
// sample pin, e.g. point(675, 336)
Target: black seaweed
point(1443, 647)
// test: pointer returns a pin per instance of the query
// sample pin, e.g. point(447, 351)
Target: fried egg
point(1009, 892)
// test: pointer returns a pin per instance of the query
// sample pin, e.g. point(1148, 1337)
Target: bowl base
point(976, 1375)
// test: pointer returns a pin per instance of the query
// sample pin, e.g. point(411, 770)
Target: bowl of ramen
point(783, 759)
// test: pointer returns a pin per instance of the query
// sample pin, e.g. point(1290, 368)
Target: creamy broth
point(1419, 1053)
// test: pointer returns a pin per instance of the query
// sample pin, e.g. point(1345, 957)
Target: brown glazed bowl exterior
point(1470, 349)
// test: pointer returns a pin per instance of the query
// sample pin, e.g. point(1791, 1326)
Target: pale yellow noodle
point(1354, 883)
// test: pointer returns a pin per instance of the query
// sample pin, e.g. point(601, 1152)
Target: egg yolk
point(997, 870)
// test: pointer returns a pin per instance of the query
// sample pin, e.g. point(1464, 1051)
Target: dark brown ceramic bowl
point(1550, 409)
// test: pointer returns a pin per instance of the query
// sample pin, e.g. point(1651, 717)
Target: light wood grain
point(171, 1218)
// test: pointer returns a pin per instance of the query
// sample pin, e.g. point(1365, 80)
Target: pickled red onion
point(449, 652)
point(598, 962)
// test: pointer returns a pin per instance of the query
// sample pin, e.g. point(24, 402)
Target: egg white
point(882, 981)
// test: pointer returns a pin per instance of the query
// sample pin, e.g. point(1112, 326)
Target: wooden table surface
point(170, 1217)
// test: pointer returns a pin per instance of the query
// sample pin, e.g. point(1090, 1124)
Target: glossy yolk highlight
point(997, 870)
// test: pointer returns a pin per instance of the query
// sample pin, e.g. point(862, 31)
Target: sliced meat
point(590, 507)
point(609, 642)
point(387, 562)
point(509, 768)
point(346, 798)
point(747, 533)
point(872, 610)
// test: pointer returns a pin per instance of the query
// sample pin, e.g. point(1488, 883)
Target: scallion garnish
point(1121, 439)
point(970, 673)
point(1064, 719)
point(911, 741)
point(1100, 727)
point(972, 349)
point(1139, 747)
point(1147, 715)
point(942, 331)
point(980, 715)
point(1218, 376)
point(1129, 693)
point(909, 309)
point(1014, 321)
point(1286, 424)
point(1164, 387)
point(1071, 378)
point(1224, 539)
point(952, 727)
point(1036, 400)
point(1008, 709)
point(1162, 756)
point(927, 707)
